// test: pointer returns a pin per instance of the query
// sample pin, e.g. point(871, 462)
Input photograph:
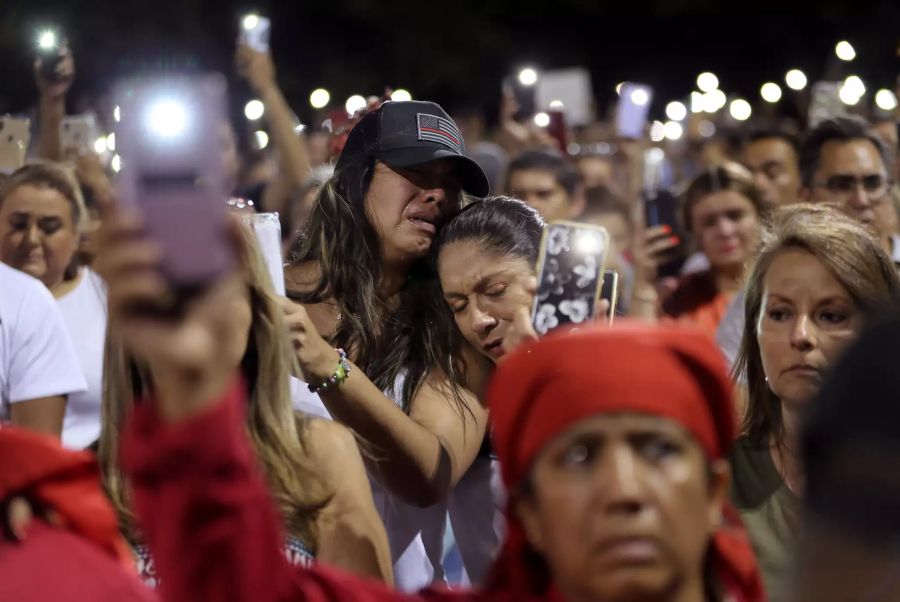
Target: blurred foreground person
point(818, 279)
point(614, 496)
point(59, 540)
point(313, 467)
point(850, 448)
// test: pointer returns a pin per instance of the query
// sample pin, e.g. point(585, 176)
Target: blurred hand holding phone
point(570, 275)
point(173, 176)
point(15, 136)
point(661, 212)
point(632, 110)
point(255, 31)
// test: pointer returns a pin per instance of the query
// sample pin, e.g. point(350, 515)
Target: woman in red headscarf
point(616, 474)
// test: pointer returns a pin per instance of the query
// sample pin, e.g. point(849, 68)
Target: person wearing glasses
point(844, 164)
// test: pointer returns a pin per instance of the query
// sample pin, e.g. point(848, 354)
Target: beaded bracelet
point(339, 375)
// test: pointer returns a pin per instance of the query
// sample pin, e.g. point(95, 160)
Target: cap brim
point(471, 176)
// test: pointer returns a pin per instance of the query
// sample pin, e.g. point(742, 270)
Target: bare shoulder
point(329, 444)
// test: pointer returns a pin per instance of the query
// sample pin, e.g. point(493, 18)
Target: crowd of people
point(393, 428)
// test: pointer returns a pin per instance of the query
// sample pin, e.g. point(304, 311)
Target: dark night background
point(456, 52)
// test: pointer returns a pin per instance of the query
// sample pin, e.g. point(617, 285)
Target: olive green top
point(770, 511)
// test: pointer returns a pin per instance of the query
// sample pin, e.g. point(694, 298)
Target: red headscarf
point(673, 372)
point(38, 468)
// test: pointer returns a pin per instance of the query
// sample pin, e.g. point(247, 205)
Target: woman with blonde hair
point(818, 279)
point(312, 466)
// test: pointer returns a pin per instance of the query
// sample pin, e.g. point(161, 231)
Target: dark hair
point(602, 201)
point(388, 342)
point(717, 179)
point(772, 134)
point(841, 129)
point(849, 252)
point(501, 224)
point(563, 171)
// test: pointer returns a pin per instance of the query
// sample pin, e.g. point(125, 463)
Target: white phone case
point(15, 135)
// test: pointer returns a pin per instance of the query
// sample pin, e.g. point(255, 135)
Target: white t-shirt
point(36, 356)
point(416, 535)
point(84, 312)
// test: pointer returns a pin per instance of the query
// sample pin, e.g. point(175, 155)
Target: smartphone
point(77, 134)
point(570, 275)
point(610, 292)
point(632, 110)
point(255, 32)
point(525, 95)
point(15, 135)
point(51, 51)
point(661, 205)
point(173, 175)
point(557, 128)
point(825, 103)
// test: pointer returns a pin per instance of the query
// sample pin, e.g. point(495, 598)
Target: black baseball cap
point(410, 133)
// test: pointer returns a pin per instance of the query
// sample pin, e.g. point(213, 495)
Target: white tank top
point(416, 535)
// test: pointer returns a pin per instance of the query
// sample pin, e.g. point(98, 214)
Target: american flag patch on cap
point(437, 129)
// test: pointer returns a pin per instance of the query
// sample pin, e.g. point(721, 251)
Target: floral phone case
point(570, 275)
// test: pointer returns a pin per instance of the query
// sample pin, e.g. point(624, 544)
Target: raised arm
point(418, 457)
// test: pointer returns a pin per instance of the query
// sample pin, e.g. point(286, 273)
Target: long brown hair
point(849, 252)
point(276, 432)
point(339, 239)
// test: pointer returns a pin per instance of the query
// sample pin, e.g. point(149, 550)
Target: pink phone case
point(172, 171)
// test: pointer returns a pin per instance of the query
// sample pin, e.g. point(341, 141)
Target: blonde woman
point(313, 467)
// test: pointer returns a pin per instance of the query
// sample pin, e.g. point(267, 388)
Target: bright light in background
point(673, 130)
point(676, 111)
point(707, 82)
point(640, 97)
point(254, 109)
point(528, 76)
point(111, 142)
point(319, 98)
point(588, 243)
point(886, 100)
point(401, 95)
point(299, 128)
point(117, 114)
point(740, 109)
point(47, 40)
point(542, 120)
point(116, 163)
point(250, 21)
point(845, 51)
point(354, 104)
point(706, 128)
point(262, 139)
point(713, 101)
point(167, 118)
point(697, 102)
point(795, 79)
point(557, 105)
point(770, 92)
point(657, 131)
point(619, 87)
point(852, 90)
point(100, 146)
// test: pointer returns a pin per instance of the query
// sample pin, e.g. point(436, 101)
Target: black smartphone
point(661, 207)
point(610, 292)
point(525, 94)
point(51, 49)
point(570, 275)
